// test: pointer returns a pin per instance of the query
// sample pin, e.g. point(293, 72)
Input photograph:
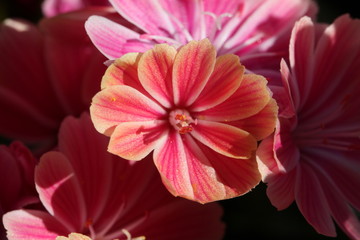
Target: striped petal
point(261, 124)
point(225, 139)
point(32, 224)
point(135, 140)
point(249, 99)
point(117, 104)
point(223, 82)
point(193, 65)
point(112, 38)
point(59, 190)
point(155, 72)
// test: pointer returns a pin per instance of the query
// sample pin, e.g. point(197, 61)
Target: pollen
point(113, 99)
point(181, 121)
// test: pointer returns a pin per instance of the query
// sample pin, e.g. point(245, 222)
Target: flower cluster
point(131, 119)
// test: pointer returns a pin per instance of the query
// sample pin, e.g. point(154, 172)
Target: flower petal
point(32, 224)
point(85, 149)
point(170, 160)
point(191, 170)
point(147, 15)
point(123, 71)
point(112, 39)
point(238, 176)
point(223, 82)
point(250, 98)
point(261, 124)
point(155, 73)
point(193, 65)
point(135, 140)
point(59, 190)
point(312, 202)
point(117, 104)
point(225, 139)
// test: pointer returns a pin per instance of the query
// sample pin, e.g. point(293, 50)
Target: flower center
point(182, 121)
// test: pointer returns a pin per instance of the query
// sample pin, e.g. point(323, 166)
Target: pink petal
point(32, 224)
point(117, 104)
point(113, 39)
point(135, 140)
point(193, 171)
point(193, 65)
point(280, 189)
point(170, 159)
point(225, 139)
point(85, 149)
point(123, 71)
point(261, 124)
point(147, 15)
point(155, 73)
point(223, 82)
point(238, 176)
point(250, 98)
point(312, 202)
point(60, 191)
point(285, 148)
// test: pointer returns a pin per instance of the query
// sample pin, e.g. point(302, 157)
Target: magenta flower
point(17, 188)
point(86, 190)
point(200, 115)
point(46, 75)
point(313, 157)
point(256, 30)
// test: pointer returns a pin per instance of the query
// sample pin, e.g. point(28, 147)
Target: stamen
point(88, 224)
point(217, 20)
point(182, 121)
point(128, 235)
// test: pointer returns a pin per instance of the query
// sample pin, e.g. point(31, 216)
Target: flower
point(313, 157)
point(46, 75)
point(200, 115)
point(17, 188)
point(52, 8)
point(89, 191)
point(256, 30)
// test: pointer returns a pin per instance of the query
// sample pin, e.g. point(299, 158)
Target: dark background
point(251, 216)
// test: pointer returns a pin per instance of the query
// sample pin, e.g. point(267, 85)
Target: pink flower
point(17, 188)
point(313, 157)
point(52, 8)
point(256, 30)
point(200, 115)
point(89, 191)
point(46, 75)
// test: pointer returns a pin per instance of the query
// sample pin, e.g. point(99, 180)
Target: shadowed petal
point(117, 104)
point(225, 139)
point(250, 98)
point(193, 65)
point(135, 140)
point(155, 72)
point(59, 190)
point(223, 82)
point(312, 202)
point(32, 224)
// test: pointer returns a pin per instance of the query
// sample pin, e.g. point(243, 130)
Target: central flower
point(182, 121)
point(200, 115)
